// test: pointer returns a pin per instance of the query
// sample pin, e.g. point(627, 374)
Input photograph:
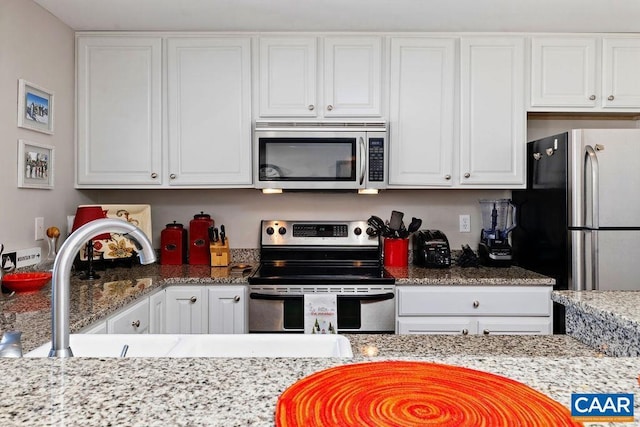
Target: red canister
point(199, 253)
point(173, 241)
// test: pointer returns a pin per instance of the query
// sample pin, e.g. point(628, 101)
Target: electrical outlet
point(39, 228)
point(465, 223)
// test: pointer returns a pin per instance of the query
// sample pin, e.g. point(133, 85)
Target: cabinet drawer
point(134, 320)
point(437, 326)
point(474, 301)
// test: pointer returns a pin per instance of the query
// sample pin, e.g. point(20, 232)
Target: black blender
point(498, 219)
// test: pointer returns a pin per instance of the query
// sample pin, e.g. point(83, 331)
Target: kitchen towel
point(320, 314)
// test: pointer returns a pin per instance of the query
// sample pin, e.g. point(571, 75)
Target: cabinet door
point(99, 328)
point(564, 72)
point(493, 117)
point(119, 100)
point(515, 326)
point(228, 310)
point(288, 82)
point(621, 62)
point(352, 76)
point(438, 326)
point(422, 111)
point(186, 310)
point(209, 99)
point(133, 320)
point(157, 313)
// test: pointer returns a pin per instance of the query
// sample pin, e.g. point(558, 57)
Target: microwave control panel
point(376, 159)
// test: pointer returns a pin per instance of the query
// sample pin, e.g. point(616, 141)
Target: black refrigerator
point(579, 217)
point(541, 239)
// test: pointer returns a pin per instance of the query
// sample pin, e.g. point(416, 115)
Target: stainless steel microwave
point(320, 155)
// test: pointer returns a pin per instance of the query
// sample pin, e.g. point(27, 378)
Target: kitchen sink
point(197, 345)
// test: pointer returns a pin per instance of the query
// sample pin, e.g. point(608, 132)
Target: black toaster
point(431, 249)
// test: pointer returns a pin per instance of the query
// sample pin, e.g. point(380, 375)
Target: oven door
point(371, 312)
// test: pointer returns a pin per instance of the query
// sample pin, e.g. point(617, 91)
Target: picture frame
point(35, 107)
point(35, 165)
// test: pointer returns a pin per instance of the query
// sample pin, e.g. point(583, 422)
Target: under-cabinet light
point(368, 191)
point(272, 191)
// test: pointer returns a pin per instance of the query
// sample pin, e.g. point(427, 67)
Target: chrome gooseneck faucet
point(61, 280)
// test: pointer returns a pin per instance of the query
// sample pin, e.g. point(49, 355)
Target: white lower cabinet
point(157, 313)
point(186, 310)
point(133, 320)
point(227, 310)
point(181, 309)
point(470, 310)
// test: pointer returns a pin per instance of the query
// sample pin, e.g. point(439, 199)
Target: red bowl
point(26, 282)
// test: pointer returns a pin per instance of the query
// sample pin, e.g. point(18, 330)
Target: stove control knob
point(282, 230)
point(371, 231)
point(357, 231)
point(270, 231)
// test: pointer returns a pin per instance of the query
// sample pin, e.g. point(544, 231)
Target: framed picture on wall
point(35, 165)
point(35, 107)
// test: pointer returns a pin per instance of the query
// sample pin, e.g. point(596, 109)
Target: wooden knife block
point(220, 253)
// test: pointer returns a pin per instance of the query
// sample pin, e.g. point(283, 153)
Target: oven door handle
point(376, 297)
point(271, 297)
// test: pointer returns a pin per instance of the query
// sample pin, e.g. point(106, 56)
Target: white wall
point(37, 47)
point(241, 210)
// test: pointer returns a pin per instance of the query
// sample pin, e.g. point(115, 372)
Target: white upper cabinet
point(288, 83)
point(119, 107)
point(492, 112)
point(292, 74)
point(620, 67)
point(421, 113)
point(352, 76)
point(209, 99)
point(585, 73)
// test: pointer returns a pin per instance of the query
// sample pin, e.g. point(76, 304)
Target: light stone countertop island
point(242, 392)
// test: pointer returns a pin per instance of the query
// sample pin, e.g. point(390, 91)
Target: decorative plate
point(118, 246)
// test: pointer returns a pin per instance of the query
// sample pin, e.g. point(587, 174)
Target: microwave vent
point(292, 125)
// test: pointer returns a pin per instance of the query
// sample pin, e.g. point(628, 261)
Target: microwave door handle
point(363, 160)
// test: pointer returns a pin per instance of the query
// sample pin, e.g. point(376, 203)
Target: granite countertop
point(230, 392)
point(235, 392)
point(118, 287)
point(605, 320)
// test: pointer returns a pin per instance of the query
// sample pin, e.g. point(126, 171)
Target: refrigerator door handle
point(595, 262)
point(591, 159)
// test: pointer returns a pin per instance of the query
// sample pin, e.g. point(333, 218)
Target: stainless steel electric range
point(331, 257)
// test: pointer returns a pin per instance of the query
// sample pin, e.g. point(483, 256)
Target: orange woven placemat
point(398, 393)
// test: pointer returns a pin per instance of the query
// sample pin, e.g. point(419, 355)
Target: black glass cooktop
point(289, 273)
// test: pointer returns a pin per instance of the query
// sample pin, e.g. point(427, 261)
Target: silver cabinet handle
point(610, 98)
point(592, 98)
point(486, 332)
point(236, 298)
point(467, 175)
point(447, 177)
point(193, 299)
point(154, 175)
point(135, 323)
point(329, 107)
point(173, 176)
point(465, 332)
point(476, 304)
point(311, 107)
